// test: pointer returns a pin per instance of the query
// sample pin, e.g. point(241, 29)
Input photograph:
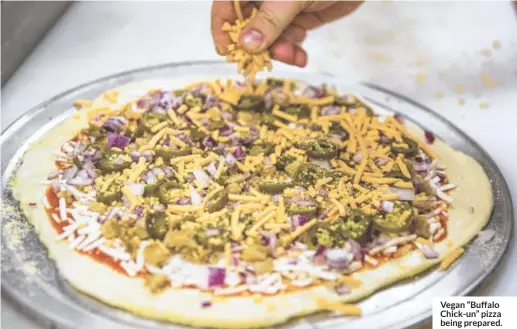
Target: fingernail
point(252, 40)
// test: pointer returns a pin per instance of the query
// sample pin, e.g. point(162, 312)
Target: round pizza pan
point(31, 280)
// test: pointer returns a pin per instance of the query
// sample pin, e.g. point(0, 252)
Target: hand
point(280, 26)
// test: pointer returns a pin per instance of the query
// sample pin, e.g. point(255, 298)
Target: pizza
point(239, 205)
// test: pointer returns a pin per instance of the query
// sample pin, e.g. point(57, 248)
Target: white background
point(390, 43)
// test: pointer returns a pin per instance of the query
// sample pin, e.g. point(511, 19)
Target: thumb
point(271, 20)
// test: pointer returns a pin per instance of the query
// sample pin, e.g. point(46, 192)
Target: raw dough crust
point(184, 305)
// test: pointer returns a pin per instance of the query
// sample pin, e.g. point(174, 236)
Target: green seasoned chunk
point(265, 148)
point(283, 161)
point(157, 225)
point(300, 111)
point(307, 175)
point(397, 221)
point(109, 197)
point(163, 191)
point(192, 101)
point(355, 225)
point(272, 187)
point(196, 135)
point(322, 149)
point(114, 161)
point(151, 119)
point(110, 229)
point(218, 201)
point(307, 211)
point(166, 153)
point(253, 103)
point(410, 151)
point(269, 120)
point(420, 227)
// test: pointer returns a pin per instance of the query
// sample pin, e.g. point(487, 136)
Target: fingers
point(294, 34)
point(289, 53)
point(221, 12)
point(271, 20)
point(313, 18)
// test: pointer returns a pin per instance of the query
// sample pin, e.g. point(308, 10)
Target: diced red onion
point(275, 198)
point(380, 161)
point(442, 177)
point(211, 168)
point(183, 201)
point(208, 142)
point(358, 157)
point(238, 153)
point(168, 172)
point(356, 249)
point(149, 177)
point(158, 172)
point(429, 252)
point(70, 172)
point(421, 167)
point(206, 303)
point(79, 148)
point(136, 188)
point(159, 207)
point(230, 159)
point(320, 256)
point(337, 258)
point(97, 155)
point(90, 169)
point(384, 140)
point(406, 194)
point(336, 136)
point(399, 118)
point(211, 232)
point(216, 276)
point(115, 124)
point(235, 261)
point(301, 202)
point(83, 174)
point(322, 163)
point(323, 192)
point(116, 140)
point(387, 206)
point(147, 155)
point(227, 115)
point(267, 162)
point(226, 131)
point(330, 110)
point(297, 220)
point(195, 197)
point(341, 289)
point(202, 177)
point(269, 239)
point(314, 92)
point(139, 211)
point(429, 137)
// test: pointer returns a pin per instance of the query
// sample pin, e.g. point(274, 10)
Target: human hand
point(280, 26)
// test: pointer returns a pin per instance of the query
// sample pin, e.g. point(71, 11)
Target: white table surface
point(446, 44)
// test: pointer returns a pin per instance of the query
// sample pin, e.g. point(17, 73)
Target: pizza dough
point(471, 211)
